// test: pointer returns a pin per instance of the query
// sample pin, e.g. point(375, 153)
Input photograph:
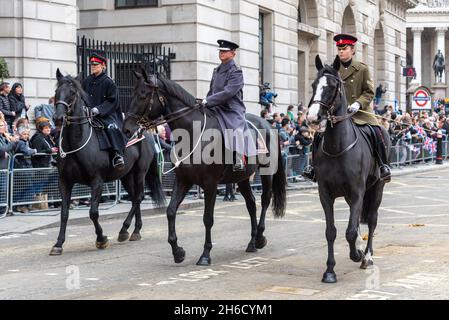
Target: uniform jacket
point(226, 93)
point(103, 95)
point(359, 87)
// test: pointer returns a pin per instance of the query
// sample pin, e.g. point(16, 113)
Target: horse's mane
point(77, 84)
point(175, 90)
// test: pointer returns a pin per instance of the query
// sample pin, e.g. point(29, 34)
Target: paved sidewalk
point(26, 223)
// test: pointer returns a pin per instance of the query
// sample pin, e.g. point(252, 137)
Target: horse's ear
point(145, 75)
point(337, 63)
point(318, 63)
point(79, 77)
point(137, 75)
point(59, 75)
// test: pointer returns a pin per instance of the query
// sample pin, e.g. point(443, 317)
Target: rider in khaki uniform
point(359, 88)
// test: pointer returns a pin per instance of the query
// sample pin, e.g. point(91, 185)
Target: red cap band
point(343, 42)
point(94, 59)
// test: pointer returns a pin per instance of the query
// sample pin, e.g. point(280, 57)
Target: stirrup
point(118, 161)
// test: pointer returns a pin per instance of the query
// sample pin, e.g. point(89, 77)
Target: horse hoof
point(329, 277)
point(135, 237)
point(358, 257)
point(55, 251)
point(204, 261)
point(366, 264)
point(123, 236)
point(102, 245)
point(261, 242)
point(251, 248)
point(179, 255)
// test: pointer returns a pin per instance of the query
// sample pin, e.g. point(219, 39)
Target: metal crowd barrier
point(38, 189)
point(407, 154)
point(4, 188)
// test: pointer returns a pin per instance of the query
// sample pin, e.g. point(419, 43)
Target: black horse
point(158, 97)
point(344, 166)
point(84, 163)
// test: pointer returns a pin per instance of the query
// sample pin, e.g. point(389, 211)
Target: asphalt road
point(411, 254)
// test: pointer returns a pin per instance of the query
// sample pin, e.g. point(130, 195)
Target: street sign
point(409, 72)
point(422, 99)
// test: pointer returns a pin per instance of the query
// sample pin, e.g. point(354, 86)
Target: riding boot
point(239, 163)
point(381, 155)
point(309, 171)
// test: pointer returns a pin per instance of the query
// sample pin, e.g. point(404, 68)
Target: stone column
point(441, 39)
point(417, 54)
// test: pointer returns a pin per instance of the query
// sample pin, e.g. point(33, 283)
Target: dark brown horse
point(158, 97)
point(86, 164)
point(344, 165)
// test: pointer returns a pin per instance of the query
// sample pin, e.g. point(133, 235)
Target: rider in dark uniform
point(359, 88)
point(103, 95)
point(226, 96)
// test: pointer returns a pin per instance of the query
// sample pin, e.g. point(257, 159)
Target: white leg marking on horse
point(368, 256)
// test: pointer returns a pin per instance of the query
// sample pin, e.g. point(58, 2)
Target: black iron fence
point(123, 59)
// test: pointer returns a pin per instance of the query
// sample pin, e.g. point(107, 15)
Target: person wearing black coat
point(17, 101)
point(5, 106)
point(303, 140)
point(103, 96)
point(43, 143)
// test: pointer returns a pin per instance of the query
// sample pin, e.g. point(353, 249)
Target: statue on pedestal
point(439, 66)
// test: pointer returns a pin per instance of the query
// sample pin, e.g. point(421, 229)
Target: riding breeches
point(116, 139)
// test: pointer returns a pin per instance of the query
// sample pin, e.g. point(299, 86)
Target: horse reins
point(68, 120)
point(330, 108)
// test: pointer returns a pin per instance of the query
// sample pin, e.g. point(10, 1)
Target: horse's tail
point(154, 183)
point(279, 188)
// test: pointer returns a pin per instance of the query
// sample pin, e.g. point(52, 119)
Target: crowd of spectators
point(24, 148)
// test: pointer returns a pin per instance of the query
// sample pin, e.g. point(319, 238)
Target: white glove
point(204, 102)
point(354, 107)
point(95, 111)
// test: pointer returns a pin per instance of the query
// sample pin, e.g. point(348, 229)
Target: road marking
point(92, 279)
point(39, 233)
point(295, 291)
point(412, 282)
point(52, 274)
point(144, 285)
point(13, 270)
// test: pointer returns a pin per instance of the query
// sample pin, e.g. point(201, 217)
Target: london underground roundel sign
point(422, 99)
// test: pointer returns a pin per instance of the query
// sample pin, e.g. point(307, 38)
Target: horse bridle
point(145, 121)
point(330, 107)
point(69, 119)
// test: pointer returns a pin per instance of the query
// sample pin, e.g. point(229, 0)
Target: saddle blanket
point(137, 137)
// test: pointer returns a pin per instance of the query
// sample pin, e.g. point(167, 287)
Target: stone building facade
point(427, 32)
point(278, 38)
point(37, 37)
